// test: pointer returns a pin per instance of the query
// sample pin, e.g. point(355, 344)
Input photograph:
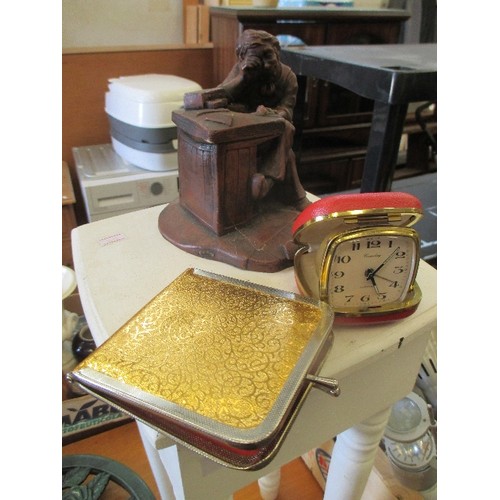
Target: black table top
point(394, 74)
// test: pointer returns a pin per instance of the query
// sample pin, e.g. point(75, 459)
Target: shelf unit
point(335, 123)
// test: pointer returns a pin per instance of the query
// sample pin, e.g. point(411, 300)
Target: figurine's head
point(258, 54)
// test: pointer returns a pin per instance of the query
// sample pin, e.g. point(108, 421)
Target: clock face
point(369, 270)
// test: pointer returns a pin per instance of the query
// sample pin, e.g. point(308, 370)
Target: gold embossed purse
point(220, 365)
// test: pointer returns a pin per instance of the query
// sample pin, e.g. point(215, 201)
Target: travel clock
point(358, 253)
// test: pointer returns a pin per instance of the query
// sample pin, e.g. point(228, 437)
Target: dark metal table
point(391, 75)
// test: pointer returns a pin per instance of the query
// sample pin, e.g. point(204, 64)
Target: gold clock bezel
point(325, 255)
point(314, 230)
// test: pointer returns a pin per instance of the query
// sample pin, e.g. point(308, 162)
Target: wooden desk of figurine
point(239, 191)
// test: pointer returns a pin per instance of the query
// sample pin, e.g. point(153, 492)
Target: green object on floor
point(86, 477)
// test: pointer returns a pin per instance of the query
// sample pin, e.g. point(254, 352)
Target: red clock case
point(329, 214)
point(335, 214)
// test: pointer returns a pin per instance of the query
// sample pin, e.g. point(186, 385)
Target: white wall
point(112, 23)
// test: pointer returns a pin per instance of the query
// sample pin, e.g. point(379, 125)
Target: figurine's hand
point(251, 66)
point(263, 111)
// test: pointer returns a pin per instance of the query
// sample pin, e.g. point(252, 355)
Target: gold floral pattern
point(220, 349)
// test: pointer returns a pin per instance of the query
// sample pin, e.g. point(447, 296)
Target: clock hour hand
point(370, 276)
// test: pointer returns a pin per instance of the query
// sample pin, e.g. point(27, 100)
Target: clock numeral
point(343, 259)
point(398, 270)
point(338, 274)
point(373, 244)
point(365, 298)
point(400, 255)
point(338, 288)
point(356, 245)
point(348, 298)
point(394, 284)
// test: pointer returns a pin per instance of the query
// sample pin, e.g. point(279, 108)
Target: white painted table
point(123, 262)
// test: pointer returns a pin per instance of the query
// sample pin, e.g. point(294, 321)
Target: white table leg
point(160, 473)
point(269, 485)
point(353, 456)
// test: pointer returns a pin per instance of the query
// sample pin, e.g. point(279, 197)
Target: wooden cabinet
point(68, 215)
point(335, 122)
point(314, 26)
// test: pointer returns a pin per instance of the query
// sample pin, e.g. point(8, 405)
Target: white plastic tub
point(139, 109)
point(158, 162)
point(147, 100)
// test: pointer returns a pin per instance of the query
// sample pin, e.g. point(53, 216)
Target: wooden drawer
point(362, 32)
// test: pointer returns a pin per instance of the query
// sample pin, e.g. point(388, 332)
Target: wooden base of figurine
point(264, 244)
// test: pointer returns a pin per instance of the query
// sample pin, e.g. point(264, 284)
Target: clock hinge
point(373, 219)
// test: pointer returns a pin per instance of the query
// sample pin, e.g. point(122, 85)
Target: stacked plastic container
point(139, 110)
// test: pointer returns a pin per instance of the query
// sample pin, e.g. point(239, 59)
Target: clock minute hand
point(384, 263)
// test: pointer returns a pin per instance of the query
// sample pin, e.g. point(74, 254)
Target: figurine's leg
point(269, 485)
point(294, 191)
point(278, 168)
point(353, 456)
point(261, 185)
point(299, 194)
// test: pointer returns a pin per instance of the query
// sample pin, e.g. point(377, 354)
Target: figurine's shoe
point(261, 186)
point(302, 203)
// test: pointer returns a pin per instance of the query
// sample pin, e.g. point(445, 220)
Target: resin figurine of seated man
point(260, 83)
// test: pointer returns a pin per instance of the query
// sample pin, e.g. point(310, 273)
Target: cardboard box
point(318, 461)
point(86, 415)
point(381, 484)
